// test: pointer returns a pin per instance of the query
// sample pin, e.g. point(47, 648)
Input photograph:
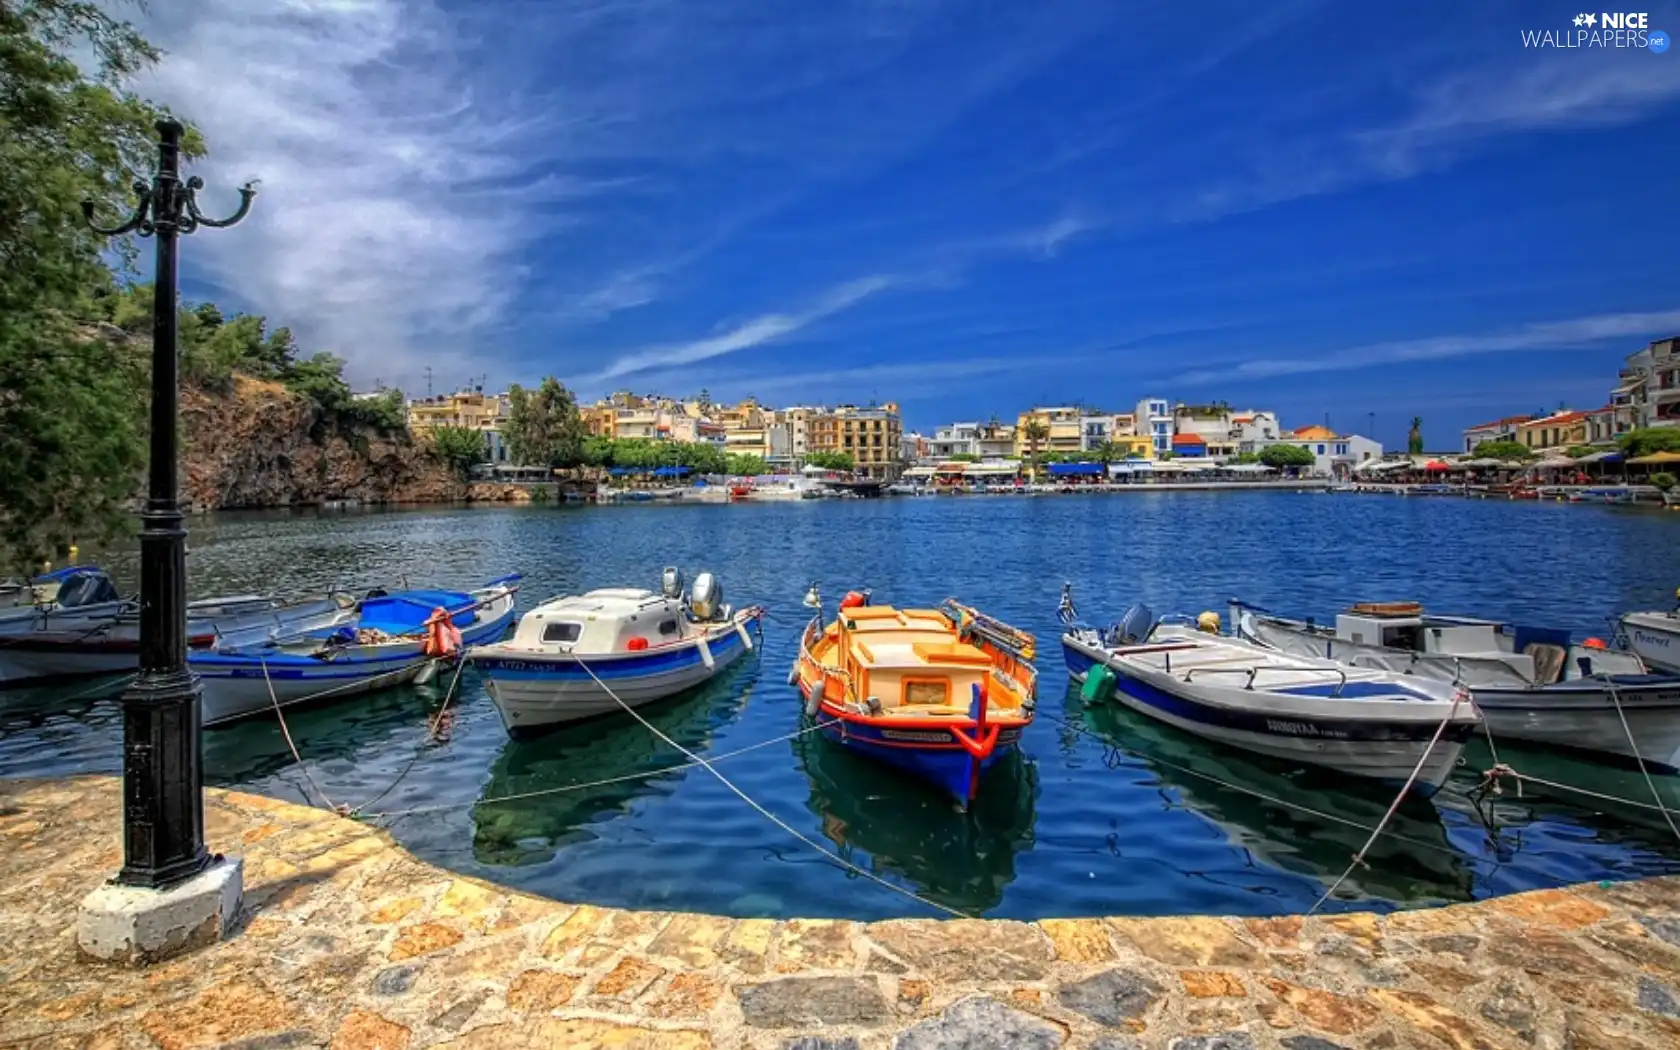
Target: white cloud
point(396, 194)
point(1578, 332)
point(759, 330)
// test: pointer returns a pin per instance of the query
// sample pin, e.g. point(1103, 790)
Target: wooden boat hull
point(1382, 751)
point(535, 691)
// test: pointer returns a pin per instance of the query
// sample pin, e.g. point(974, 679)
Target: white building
point(1154, 420)
point(1253, 430)
point(1652, 382)
point(1334, 455)
point(958, 439)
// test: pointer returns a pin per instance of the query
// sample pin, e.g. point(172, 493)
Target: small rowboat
point(388, 640)
point(941, 694)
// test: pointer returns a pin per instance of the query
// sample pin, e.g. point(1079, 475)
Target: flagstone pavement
point(350, 942)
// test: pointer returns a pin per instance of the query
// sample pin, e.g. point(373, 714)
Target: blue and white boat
point(572, 656)
point(1532, 683)
point(1363, 722)
point(384, 642)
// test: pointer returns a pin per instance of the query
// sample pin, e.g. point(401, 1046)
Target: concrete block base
point(135, 927)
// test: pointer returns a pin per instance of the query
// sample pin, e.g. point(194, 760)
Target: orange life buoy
point(443, 638)
point(852, 600)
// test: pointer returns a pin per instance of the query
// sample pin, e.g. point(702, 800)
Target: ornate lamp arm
point(137, 221)
point(247, 193)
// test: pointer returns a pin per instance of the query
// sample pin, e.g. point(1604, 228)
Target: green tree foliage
point(543, 426)
point(71, 425)
point(742, 465)
point(1284, 457)
point(831, 460)
point(1663, 480)
point(962, 457)
point(1414, 437)
point(1646, 440)
point(1577, 451)
point(1506, 450)
point(460, 447)
point(1244, 457)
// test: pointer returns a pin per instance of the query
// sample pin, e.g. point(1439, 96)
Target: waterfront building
point(1097, 430)
point(798, 419)
point(778, 440)
point(996, 441)
point(1189, 446)
point(957, 439)
point(1651, 383)
point(913, 448)
point(1063, 430)
point(1211, 423)
point(870, 435)
point(1335, 455)
point(472, 409)
point(745, 428)
point(1154, 420)
point(1498, 430)
point(1561, 430)
point(1605, 425)
point(1253, 430)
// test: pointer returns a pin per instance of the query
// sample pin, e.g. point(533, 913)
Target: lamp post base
point(135, 926)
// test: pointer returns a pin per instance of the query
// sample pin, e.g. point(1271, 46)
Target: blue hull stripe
point(240, 665)
point(606, 667)
point(1359, 731)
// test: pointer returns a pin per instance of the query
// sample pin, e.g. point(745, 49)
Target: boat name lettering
point(1649, 639)
point(1277, 725)
point(914, 737)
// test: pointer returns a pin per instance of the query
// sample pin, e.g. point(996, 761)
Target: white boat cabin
point(1404, 626)
point(609, 620)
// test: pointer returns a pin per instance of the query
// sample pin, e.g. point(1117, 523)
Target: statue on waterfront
point(1414, 439)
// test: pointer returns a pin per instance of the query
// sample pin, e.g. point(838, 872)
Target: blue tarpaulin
point(1060, 470)
point(670, 472)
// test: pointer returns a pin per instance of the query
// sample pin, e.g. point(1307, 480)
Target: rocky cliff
point(265, 446)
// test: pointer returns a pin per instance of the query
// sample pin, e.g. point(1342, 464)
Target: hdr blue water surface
point(1104, 813)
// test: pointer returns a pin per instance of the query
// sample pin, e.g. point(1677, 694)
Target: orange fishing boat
point(941, 694)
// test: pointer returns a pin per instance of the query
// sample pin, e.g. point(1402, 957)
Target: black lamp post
point(163, 774)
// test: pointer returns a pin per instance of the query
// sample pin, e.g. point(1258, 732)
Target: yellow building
point(871, 436)
point(472, 409)
point(1134, 446)
point(1560, 430)
point(600, 420)
point(745, 428)
point(1061, 431)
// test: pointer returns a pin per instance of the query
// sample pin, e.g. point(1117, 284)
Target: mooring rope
point(420, 749)
point(778, 821)
point(1638, 759)
point(290, 743)
point(1359, 858)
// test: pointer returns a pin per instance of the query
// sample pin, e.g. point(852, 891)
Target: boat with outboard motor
point(1654, 636)
point(388, 639)
point(592, 654)
point(1530, 683)
point(83, 627)
point(1364, 722)
point(941, 694)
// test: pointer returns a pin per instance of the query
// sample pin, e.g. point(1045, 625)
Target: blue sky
point(967, 206)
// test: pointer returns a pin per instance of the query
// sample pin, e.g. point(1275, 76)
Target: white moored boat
point(567, 653)
point(1363, 722)
point(1534, 684)
point(1655, 637)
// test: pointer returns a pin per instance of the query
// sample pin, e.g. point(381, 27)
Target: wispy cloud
point(397, 194)
point(757, 331)
point(1553, 335)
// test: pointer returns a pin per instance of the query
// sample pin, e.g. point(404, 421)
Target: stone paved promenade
point(351, 943)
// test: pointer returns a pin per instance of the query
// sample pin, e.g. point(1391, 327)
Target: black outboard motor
point(1134, 626)
point(91, 587)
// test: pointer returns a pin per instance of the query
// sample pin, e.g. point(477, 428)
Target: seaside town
point(1568, 453)
point(327, 722)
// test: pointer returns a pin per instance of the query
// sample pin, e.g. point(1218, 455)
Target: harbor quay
point(347, 941)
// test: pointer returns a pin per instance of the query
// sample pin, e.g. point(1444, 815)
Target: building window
point(1321, 450)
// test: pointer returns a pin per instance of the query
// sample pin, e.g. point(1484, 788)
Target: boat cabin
point(609, 620)
point(908, 661)
point(1539, 655)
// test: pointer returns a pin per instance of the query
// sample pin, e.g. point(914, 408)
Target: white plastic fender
point(746, 639)
point(427, 673)
point(705, 652)
point(813, 703)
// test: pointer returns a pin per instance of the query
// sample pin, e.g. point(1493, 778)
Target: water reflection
point(609, 753)
point(1413, 860)
point(885, 822)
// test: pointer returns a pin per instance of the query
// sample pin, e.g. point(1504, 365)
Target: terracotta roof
point(1315, 433)
point(1507, 421)
point(1188, 439)
point(1242, 419)
point(1561, 417)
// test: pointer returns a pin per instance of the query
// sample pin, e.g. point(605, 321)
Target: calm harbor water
point(1103, 813)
